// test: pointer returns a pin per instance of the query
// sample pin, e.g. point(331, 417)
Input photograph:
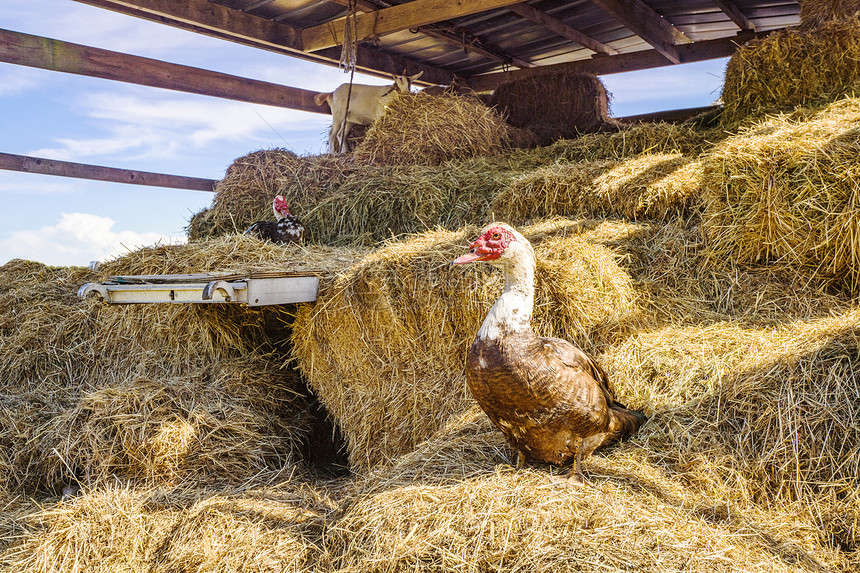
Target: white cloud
point(93, 26)
point(152, 125)
point(16, 79)
point(28, 184)
point(76, 239)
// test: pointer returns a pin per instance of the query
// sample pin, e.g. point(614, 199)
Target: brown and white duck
point(550, 399)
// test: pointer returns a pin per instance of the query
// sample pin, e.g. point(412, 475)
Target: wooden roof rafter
point(395, 19)
point(227, 23)
point(731, 10)
point(55, 55)
point(557, 26)
point(477, 46)
point(642, 60)
point(643, 21)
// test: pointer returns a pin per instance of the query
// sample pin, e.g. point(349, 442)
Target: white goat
point(365, 105)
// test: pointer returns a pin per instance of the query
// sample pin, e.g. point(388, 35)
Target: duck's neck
point(512, 312)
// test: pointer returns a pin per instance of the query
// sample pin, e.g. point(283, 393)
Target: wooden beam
point(209, 17)
point(558, 27)
point(491, 52)
point(646, 59)
point(648, 25)
point(28, 164)
point(396, 18)
point(734, 13)
point(48, 54)
point(439, 33)
point(215, 20)
point(669, 116)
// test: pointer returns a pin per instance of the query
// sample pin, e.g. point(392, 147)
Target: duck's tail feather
point(624, 422)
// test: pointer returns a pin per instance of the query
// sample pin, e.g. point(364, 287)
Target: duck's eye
point(497, 235)
point(472, 250)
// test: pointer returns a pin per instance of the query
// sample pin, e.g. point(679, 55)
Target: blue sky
point(62, 221)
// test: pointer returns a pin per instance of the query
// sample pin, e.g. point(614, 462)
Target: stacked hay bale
point(647, 171)
point(385, 343)
point(785, 192)
point(245, 194)
point(631, 141)
point(749, 461)
point(115, 529)
point(658, 186)
point(456, 504)
point(152, 393)
point(343, 203)
point(555, 106)
point(423, 129)
point(815, 13)
point(791, 68)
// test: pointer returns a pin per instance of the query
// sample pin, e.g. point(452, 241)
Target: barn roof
point(483, 42)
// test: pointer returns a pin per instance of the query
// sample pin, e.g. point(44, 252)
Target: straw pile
point(555, 106)
point(117, 529)
point(422, 129)
point(791, 68)
point(632, 141)
point(785, 191)
point(177, 421)
point(245, 194)
point(658, 186)
point(456, 504)
point(384, 345)
point(348, 204)
point(815, 13)
point(154, 392)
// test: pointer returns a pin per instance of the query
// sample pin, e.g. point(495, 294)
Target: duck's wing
point(557, 349)
point(291, 228)
point(264, 230)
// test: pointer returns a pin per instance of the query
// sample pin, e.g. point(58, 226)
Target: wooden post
point(48, 54)
point(83, 171)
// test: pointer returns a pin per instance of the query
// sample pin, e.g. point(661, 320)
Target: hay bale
point(365, 204)
point(640, 139)
point(816, 13)
point(245, 194)
point(791, 68)
point(785, 191)
point(73, 372)
point(555, 106)
point(384, 345)
point(422, 129)
point(753, 415)
point(170, 431)
point(652, 186)
point(237, 254)
point(377, 203)
point(268, 530)
point(678, 284)
point(456, 504)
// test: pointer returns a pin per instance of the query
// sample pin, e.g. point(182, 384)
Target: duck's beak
point(467, 258)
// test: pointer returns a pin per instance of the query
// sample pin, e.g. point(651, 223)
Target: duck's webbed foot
point(571, 478)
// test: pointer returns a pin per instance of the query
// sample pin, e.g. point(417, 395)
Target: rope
point(350, 43)
point(348, 59)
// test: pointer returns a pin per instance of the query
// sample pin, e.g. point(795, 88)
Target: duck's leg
point(574, 474)
point(521, 460)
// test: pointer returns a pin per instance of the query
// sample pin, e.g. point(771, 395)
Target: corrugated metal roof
point(505, 39)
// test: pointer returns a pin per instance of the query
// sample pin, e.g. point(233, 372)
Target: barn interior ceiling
point(481, 42)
